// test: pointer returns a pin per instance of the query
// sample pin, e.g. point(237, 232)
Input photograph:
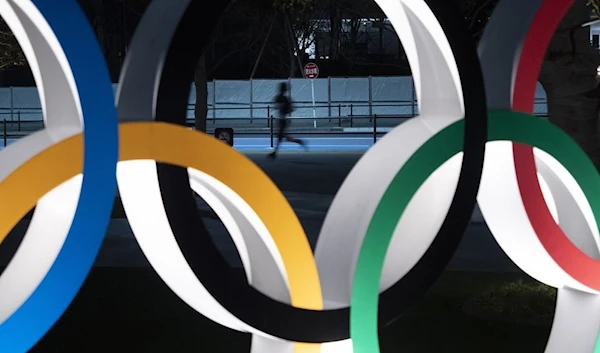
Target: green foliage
point(294, 8)
point(595, 5)
point(517, 300)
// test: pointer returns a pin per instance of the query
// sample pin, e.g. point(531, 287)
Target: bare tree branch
point(10, 51)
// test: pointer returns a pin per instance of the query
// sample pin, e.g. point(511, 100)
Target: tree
point(351, 41)
point(569, 77)
point(108, 29)
point(251, 37)
point(109, 20)
point(477, 13)
point(569, 71)
point(10, 51)
point(356, 29)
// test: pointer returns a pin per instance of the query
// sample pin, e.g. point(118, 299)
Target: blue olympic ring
point(52, 297)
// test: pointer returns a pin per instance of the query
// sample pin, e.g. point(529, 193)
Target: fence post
point(351, 109)
point(214, 98)
point(375, 129)
point(251, 100)
point(412, 103)
point(11, 102)
point(19, 121)
point(271, 118)
point(370, 95)
point(4, 128)
point(268, 115)
point(329, 96)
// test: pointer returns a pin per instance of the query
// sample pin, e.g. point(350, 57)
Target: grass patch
point(132, 311)
point(518, 300)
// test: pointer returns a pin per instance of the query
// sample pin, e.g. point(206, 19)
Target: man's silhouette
point(284, 107)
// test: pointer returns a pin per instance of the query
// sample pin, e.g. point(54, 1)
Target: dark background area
point(348, 37)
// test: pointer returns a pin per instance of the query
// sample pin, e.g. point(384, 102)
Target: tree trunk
point(262, 50)
point(335, 20)
point(351, 48)
point(381, 32)
point(201, 107)
point(294, 63)
point(569, 77)
point(295, 49)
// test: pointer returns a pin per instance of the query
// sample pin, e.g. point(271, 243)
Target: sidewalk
point(477, 252)
point(309, 181)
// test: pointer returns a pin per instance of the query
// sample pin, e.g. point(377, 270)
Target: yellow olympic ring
point(179, 146)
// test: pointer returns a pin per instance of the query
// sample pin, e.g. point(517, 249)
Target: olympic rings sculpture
point(536, 188)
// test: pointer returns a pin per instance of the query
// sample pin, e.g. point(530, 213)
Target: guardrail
point(376, 126)
point(262, 110)
point(335, 110)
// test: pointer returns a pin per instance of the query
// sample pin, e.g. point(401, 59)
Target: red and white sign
point(311, 70)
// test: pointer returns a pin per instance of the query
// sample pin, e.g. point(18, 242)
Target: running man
point(284, 107)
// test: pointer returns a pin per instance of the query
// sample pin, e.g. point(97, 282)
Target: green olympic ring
point(503, 125)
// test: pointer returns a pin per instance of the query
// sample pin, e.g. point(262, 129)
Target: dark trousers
point(281, 134)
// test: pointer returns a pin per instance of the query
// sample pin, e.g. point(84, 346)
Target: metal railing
point(375, 126)
point(253, 94)
point(261, 110)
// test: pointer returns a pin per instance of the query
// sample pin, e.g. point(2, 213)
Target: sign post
point(311, 71)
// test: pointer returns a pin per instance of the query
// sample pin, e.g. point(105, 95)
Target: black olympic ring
point(229, 287)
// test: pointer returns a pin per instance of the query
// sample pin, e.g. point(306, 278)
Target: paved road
point(310, 181)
